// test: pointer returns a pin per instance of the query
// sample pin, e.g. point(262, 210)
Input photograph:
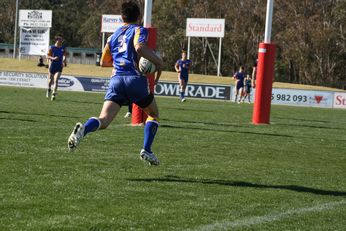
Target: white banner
point(35, 18)
point(110, 22)
point(302, 97)
point(205, 27)
point(340, 100)
point(23, 79)
point(34, 41)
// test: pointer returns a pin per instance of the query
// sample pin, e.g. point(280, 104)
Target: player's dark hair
point(130, 11)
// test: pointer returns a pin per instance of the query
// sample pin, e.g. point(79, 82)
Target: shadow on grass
point(203, 123)
point(220, 130)
point(308, 126)
point(22, 120)
point(81, 101)
point(296, 188)
point(36, 114)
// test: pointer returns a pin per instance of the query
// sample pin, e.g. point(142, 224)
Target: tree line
point(310, 35)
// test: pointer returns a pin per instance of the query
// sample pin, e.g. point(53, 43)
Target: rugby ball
point(145, 66)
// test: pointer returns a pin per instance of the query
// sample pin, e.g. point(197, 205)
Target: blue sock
point(150, 130)
point(182, 95)
point(91, 125)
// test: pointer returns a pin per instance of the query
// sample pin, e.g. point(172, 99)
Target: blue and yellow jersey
point(122, 47)
point(59, 52)
point(184, 66)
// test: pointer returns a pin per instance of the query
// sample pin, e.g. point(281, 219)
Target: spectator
point(40, 62)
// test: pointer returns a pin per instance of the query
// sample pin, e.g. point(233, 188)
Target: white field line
point(227, 225)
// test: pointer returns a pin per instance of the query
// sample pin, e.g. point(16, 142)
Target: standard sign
point(35, 18)
point(110, 22)
point(205, 27)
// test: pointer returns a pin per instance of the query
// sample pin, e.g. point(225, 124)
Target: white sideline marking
point(226, 225)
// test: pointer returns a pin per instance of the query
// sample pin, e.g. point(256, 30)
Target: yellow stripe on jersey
point(136, 38)
point(106, 58)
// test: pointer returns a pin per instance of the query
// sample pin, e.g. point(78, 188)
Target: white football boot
point(53, 96)
point(149, 157)
point(48, 93)
point(76, 136)
point(127, 115)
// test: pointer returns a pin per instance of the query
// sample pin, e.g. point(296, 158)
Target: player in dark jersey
point(239, 77)
point(56, 58)
point(247, 88)
point(182, 66)
point(127, 85)
point(254, 73)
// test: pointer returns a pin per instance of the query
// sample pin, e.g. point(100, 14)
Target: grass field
point(217, 172)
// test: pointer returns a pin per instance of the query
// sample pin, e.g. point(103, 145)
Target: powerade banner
point(194, 91)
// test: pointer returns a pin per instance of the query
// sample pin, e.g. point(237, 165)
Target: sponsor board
point(294, 97)
point(35, 18)
point(205, 27)
point(302, 97)
point(34, 41)
point(20, 79)
point(194, 91)
point(109, 23)
point(339, 100)
point(38, 80)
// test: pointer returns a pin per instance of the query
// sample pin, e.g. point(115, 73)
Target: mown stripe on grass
point(255, 220)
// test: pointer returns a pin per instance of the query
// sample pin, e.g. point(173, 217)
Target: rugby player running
point(127, 85)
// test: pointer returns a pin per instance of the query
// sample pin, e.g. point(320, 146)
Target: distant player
point(182, 66)
point(254, 72)
point(247, 88)
point(56, 59)
point(127, 85)
point(239, 77)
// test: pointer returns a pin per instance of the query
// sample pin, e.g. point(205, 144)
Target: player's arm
point(64, 60)
point(144, 51)
point(106, 58)
point(176, 66)
point(50, 55)
point(158, 75)
point(189, 66)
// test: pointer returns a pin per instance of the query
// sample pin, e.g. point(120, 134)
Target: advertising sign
point(205, 27)
point(340, 100)
point(293, 97)
point(110, 22)
point(302, 97)
point(34, 41)
point(194, 91)
point(35, 18)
